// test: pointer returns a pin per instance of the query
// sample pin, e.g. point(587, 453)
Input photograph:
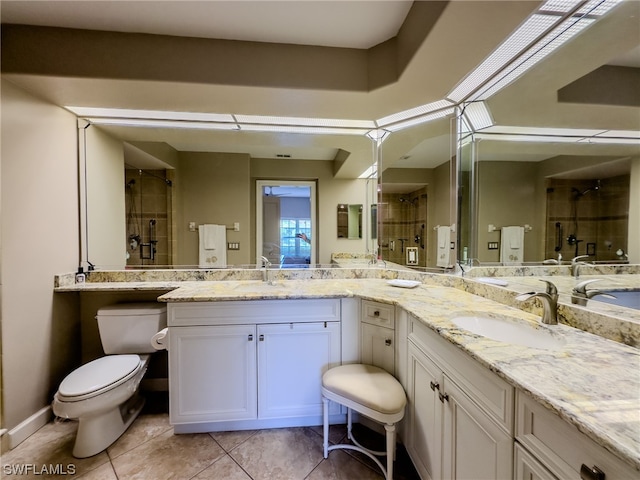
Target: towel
point(512, 245)
point(213, 246)
point(442, 251)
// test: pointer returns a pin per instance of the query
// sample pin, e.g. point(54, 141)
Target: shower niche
point(149, 217)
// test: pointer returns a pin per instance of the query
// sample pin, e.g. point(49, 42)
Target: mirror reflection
point(349, 221)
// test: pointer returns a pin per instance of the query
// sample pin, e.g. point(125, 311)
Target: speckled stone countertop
point(600, 395)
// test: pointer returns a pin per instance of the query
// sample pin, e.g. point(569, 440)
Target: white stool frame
point(388, 419)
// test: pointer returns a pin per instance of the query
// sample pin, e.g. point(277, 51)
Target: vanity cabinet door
point(378, 346)
point(474, 447)
point(527, 467)
point(423, 437)
point(292, 358)
point(212, 372)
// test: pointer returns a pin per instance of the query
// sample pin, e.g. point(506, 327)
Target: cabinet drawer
point(381, 314)
point(254, 312)
point(560, 446)
point(488, 390)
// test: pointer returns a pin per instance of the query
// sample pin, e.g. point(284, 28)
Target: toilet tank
point(128, 327)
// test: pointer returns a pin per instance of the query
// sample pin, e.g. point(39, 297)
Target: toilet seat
point(97, 376)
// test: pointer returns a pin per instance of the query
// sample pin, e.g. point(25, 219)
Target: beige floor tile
point(340, 466)
point(230, 440)
point(223, 469)
point(52, 446)
point(103, 472)
point(144, 428)
point(287, 454)
point(168, 456)
point(337, 433)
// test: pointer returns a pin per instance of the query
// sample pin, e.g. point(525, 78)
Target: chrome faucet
point(580, 294)
point(575, 265)
point(549, 300)
point(266, 265)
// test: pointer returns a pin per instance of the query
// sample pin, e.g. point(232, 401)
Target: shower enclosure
point(403, 219)
point(587, 217)
point(149, 217)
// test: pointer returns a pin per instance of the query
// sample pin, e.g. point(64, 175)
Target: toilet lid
point(99, 374)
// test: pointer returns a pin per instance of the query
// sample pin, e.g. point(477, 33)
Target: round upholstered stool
point(372, 392)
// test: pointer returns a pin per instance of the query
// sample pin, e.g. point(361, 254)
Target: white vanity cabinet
point(377, 335)
point(559, 449)
point(258, 364)
point(460, 415)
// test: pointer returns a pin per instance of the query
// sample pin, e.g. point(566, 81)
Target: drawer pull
point(387, 342)
point(591, 473)
point(261, 338)
point(443, 397)
point(434, 386)
point(250, 338)
point(376, 313)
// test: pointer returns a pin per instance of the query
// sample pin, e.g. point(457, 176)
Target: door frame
point(260, 184)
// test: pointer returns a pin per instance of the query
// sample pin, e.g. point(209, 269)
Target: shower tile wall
point(151, 198)
point(602, 217)
point(401, 221)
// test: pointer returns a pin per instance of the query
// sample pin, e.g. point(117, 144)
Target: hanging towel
point(512, 245)
point(442, 252)
point(213, 246)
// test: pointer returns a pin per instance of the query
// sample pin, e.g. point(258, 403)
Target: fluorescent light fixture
point(414, 112)
point(300, 121)
point(566, 132)
point(515, 56)
point(611, 140)
point(150, 114)
point(525, 138)
point(417, 121)
point(151, 123)
point(543, 48)
point(477, 115)
point(630, 134)
point(532, 29)
point(308, 130)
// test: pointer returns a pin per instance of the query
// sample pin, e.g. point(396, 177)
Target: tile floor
point(150, 450)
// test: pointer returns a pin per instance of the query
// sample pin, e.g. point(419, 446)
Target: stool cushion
point(366, 385)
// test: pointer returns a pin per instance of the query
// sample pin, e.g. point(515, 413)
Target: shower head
point(406, 200)
point(130, 183)
point(579, 193)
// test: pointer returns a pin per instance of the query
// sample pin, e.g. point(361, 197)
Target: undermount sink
point(509, 331)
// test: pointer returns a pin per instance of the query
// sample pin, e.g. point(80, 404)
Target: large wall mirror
point(198, 138)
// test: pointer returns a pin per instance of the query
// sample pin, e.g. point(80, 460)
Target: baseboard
point(28, 427)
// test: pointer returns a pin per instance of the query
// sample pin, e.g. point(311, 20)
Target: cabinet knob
point(591, 473)
point(250, 338)
point(443, 397)
point(261, 338)
point(434, 385)
point(387, 342)
point(376, 313)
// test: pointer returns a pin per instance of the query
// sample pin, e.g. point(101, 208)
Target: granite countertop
point(600, 395)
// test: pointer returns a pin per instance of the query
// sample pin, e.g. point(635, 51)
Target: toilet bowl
point(103, 394)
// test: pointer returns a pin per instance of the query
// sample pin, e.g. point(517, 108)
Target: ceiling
point(458, 35)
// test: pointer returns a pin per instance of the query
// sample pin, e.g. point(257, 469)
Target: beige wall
point(40, 329)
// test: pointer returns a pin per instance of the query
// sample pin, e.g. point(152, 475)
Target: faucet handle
point(551, 288)
point(575, 260)
point(582, 286)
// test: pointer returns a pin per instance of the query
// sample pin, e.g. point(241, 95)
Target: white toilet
point(102, 394)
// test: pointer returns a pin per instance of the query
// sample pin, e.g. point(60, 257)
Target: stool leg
point(349, 424)
point(325, 425)
point(391, 448)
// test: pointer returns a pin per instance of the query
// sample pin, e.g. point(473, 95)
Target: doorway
point(286, 229)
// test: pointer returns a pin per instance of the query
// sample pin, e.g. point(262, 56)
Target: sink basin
point(509, 331)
